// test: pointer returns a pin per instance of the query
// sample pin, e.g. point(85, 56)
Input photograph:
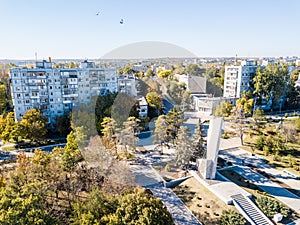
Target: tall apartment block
point(237, 79)
point(56, 90)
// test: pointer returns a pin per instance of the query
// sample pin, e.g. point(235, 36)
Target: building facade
point(56, 90)
point(237, 79)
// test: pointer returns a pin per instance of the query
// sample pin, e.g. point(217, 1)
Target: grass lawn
point(255, 191)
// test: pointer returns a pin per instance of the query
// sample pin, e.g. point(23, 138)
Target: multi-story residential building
point(127, 84)
point(237, 79)
point(143, 108)
point(56, 90)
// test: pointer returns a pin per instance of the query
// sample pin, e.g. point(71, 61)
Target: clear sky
point(71, 29)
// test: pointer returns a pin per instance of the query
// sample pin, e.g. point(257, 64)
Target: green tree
point(230, 217)
point(22, 209)
point(271, 82)
point(224, 109)
point(238, 117)
point(186, 101)
point(149, 73)
point(193, 69)
point(128, 135)
point(245, 103)
point(154, 100)
point(174, 119)
point(183, 148)
point(160, 134)
point(94, 210)
point(140, 208)
point(165, 74)
point(3, 99)
point(109, 132)
point(33, 125)
point(198, 142)
point(70, 155)
point(63, 125)
point(10, 130)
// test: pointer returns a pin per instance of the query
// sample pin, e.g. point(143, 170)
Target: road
point(7, 155)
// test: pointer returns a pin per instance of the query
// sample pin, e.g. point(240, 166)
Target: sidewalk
point(289, 199)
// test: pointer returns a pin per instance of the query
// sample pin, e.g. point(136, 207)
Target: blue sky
point(71, 29)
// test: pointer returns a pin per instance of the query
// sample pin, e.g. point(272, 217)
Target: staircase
point(250, 211)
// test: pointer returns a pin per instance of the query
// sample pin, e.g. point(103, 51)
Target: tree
point(230, 217)
point(292, 91)
point(10, 130)
point(149, 73)
point(174, 119)
point(183, 148)
point(193, 69)
point(186, 101)
point(160, 134)
point(128, 135)
point(3, 98)
point(63, 125)
point(178, 69)
point(270, 83)
point(33, 125)
point(245, 103)
point(238, 118)
point(94, 209)
point(109, 132)
point(70, 155)
point(154, 100)
point(22, 209)
point(165, 74)
point(224, 109)
point(140, 208)
point(175, 90)
point(198, 142)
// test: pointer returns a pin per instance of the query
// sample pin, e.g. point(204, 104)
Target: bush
point(225, 136)
point(230, 217)
point(260, 142)
point(270, 206)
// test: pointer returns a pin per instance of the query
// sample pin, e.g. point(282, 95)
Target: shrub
point(270, 206)
point(260, 142)
point(231, 217)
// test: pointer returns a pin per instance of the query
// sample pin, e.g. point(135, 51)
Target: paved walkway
point(242, 157)
point(180, 213)
point(221, 187)
point(272, 188)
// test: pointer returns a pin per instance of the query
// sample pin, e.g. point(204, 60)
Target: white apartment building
point(127, 85)
point(237, 79)
point(143, 110)
point(56, 90)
